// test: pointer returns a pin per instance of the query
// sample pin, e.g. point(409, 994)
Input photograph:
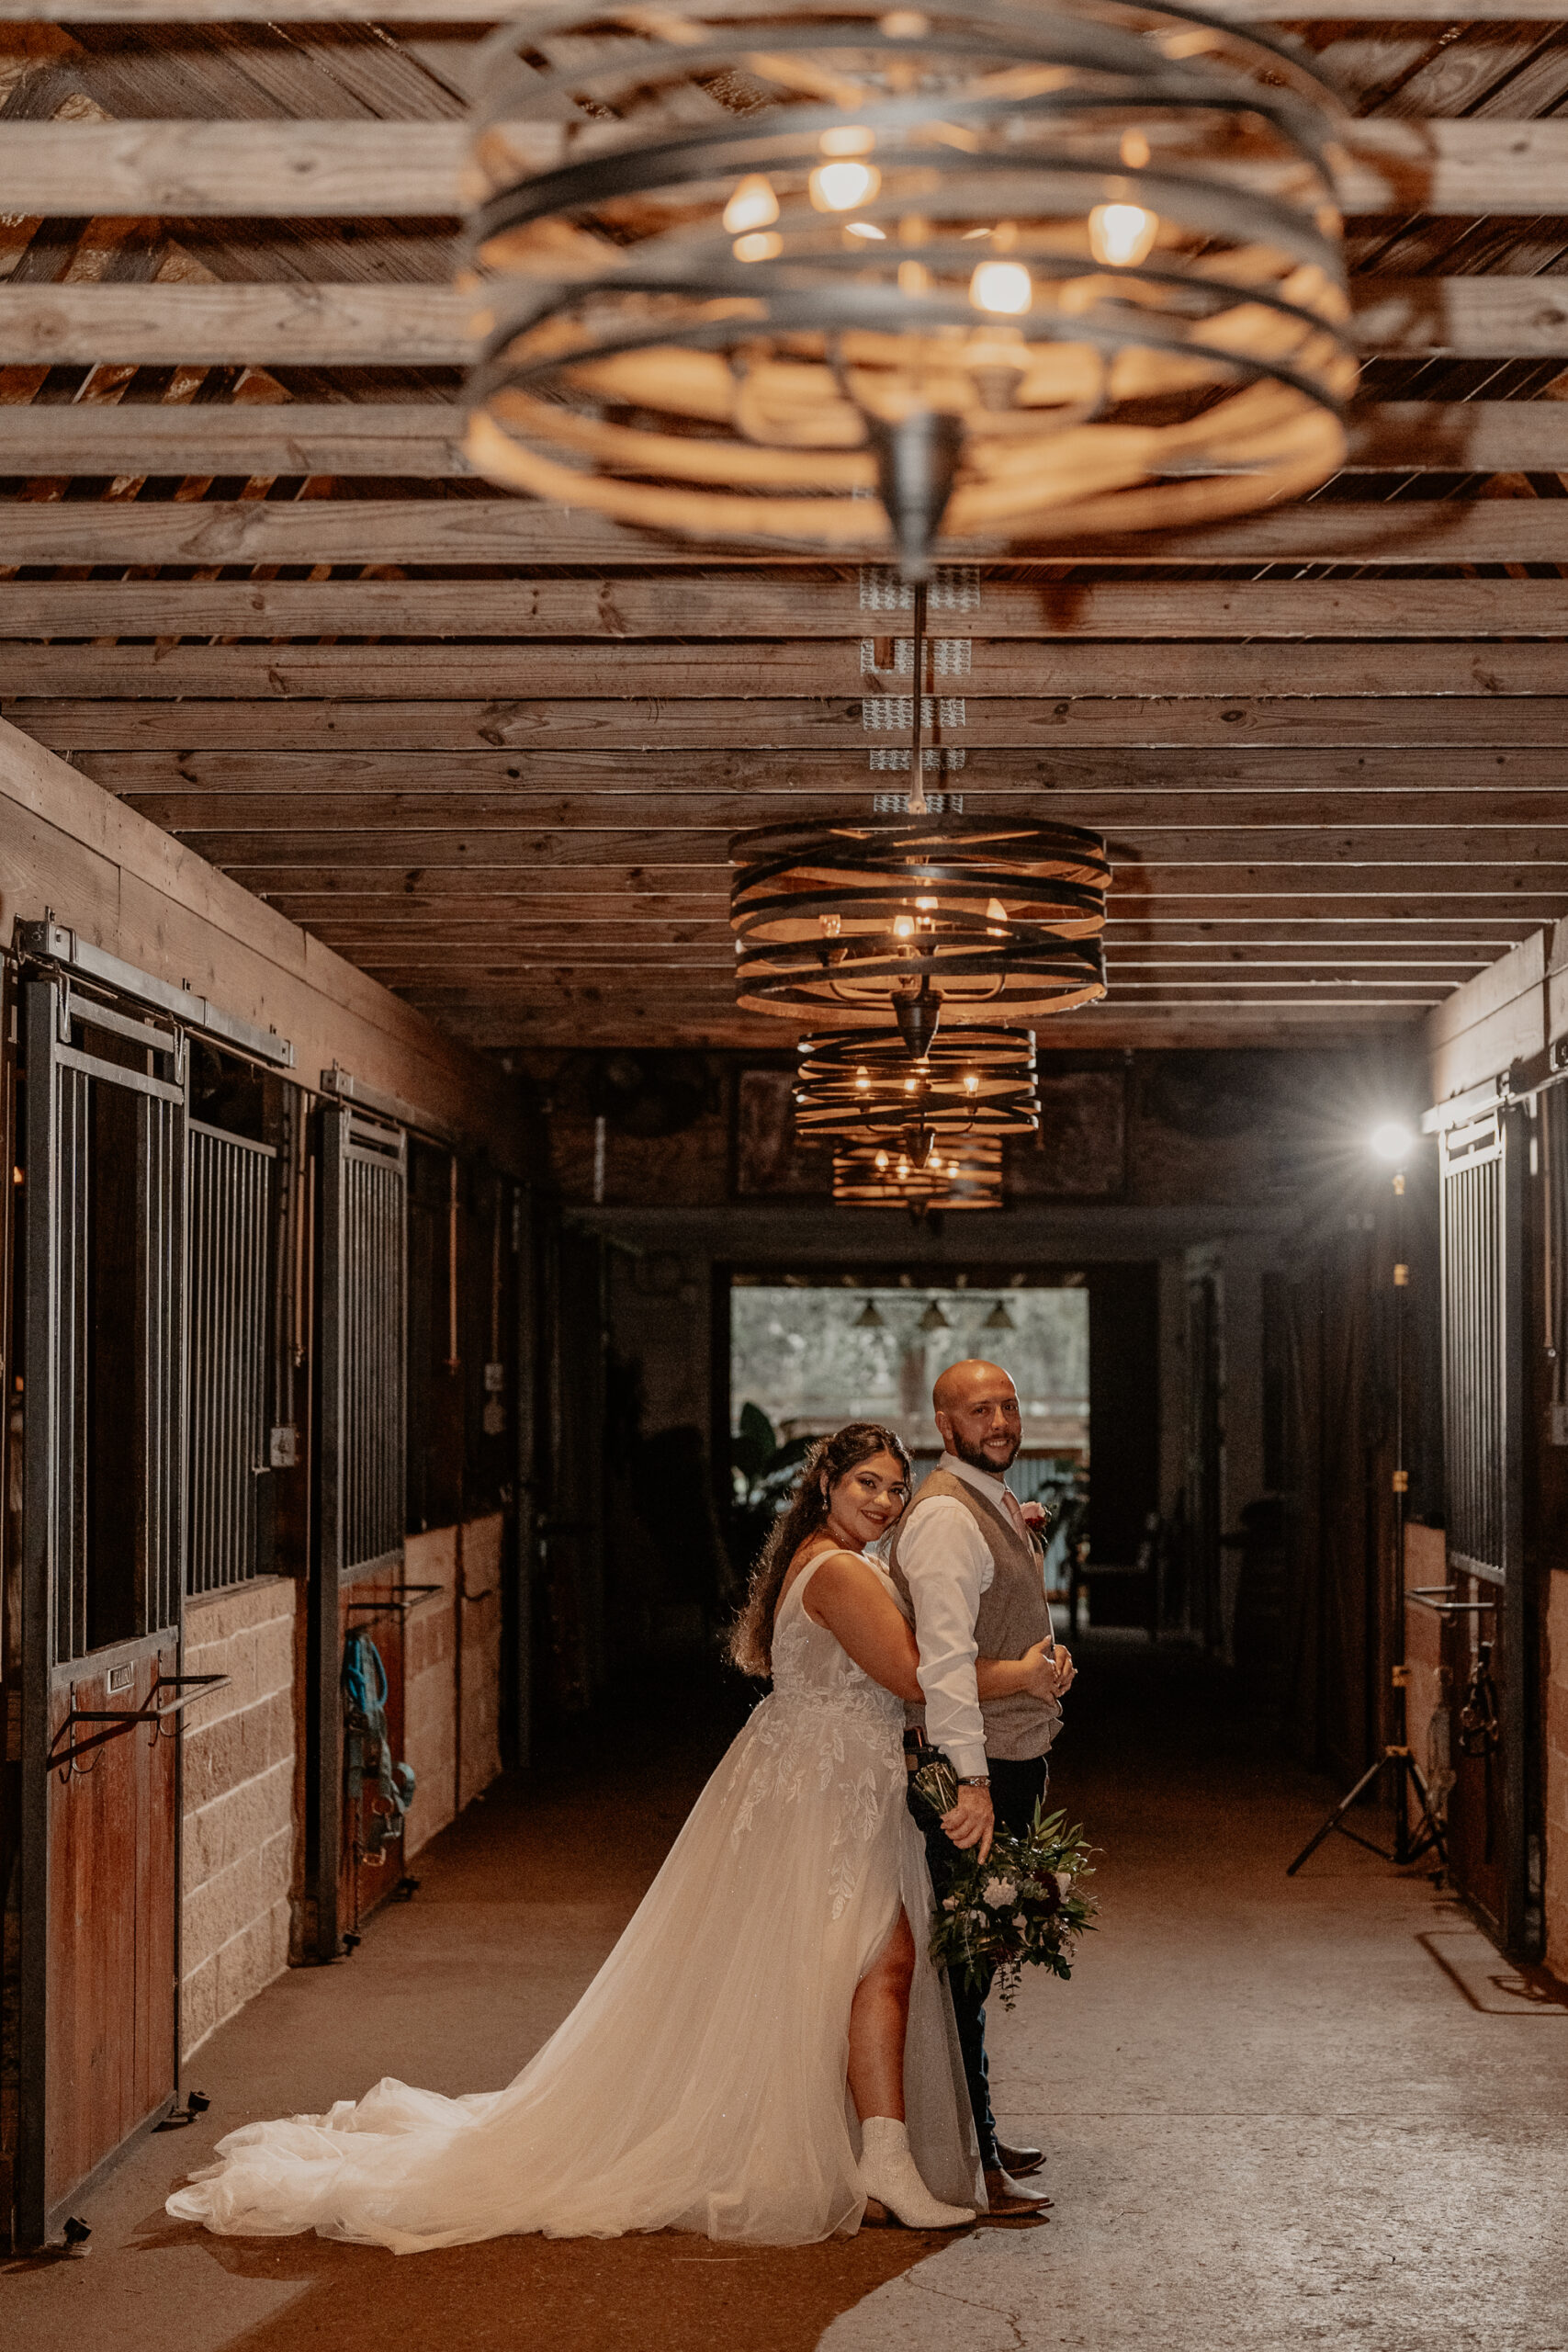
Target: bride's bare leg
point(879, 2018)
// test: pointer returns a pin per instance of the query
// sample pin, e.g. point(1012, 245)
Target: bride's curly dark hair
point(831, 1459)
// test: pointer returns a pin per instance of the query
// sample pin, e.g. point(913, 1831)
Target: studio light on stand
point(1393, 1142)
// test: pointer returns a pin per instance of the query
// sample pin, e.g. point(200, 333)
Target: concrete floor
point(1279, 2112)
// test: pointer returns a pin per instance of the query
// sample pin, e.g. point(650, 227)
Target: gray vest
point(1013, 1614)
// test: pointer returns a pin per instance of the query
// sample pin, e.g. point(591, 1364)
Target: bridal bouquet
point(1023, 1906)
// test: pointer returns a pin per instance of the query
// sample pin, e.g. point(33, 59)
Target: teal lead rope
point(369, 1751)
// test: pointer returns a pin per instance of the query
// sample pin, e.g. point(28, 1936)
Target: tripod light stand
point(1393, 1142)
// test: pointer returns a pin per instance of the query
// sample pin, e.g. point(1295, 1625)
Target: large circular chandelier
point(833, 274)
point(974, 920)
point(881, 1176)
point(976, 1083)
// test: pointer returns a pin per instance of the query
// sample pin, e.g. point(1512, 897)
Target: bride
point(767, 2055)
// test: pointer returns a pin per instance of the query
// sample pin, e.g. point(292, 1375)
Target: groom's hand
point(971, 1822)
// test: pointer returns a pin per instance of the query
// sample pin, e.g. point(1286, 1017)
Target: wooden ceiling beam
point(1124, 816)
point(1049, 723)
point(275, 439)
point(485, 12)
point(390, 170)
point(606, 785)
point(316, 323)
point(757, 605)
point(466, 691)
point(517, 531)
point(1416, 849)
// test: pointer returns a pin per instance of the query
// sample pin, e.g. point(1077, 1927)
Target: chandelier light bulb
point(759, 244)
point(1134, 150)
point(1003, 287)
point(1122, 235)
point(863, 1081)
point(753, 206)
point(839, 188)
point(971, 1083)
point(903, 926)
point(868, 229)
point(882, 1162)
point(848, 139)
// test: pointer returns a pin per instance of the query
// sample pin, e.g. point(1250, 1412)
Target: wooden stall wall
point(234, 1848)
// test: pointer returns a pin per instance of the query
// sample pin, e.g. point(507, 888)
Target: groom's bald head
point(977, 1413)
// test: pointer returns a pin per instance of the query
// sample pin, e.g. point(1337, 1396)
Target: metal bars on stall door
point(231, 1182)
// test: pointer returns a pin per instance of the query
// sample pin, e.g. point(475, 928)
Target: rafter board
point(747, 683)
point(473, 530)
point(326, 324)
point(423, 442)
point(1048, 724)
point(735, 782)
point(468, 12)
point(806, 606)
point(293, 170)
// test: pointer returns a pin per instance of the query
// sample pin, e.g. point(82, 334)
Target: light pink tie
point(1015, 1511)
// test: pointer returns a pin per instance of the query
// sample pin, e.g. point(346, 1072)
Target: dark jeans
point(1016, 1789)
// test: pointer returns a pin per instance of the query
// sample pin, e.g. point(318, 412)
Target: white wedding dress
point(700, 2082)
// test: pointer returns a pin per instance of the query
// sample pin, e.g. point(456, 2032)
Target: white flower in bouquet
point(949, 1903)
point(999, 1893)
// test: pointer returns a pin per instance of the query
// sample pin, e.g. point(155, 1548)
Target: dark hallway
point(1278, 2112)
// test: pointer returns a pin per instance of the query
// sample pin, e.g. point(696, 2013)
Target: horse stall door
point(1485, 1629)
point(102, 1576)
point(354, 1841)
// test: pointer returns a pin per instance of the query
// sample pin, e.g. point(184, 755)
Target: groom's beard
point(979, 1460)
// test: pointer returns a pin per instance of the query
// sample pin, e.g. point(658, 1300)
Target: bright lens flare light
point(1003, 287)
point(840, 188)
point(753, 206)
point(1122, 235)
point(759, 244)
point(1391, 1141)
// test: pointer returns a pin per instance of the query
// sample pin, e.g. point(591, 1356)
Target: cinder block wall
point(240, 1801)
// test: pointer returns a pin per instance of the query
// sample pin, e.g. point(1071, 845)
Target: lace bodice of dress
point(810, 1663)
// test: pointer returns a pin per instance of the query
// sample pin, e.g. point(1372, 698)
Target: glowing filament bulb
point(849, 139)
point(831, 925)
point(863, 1081)
point(908, 1086)
point(1134, 150)
point(971, 1083)
point(1003, 287)
point(1122, 235)
point(758, 244)
point(882, 1163)
point(840, 188)
point(953, 1167)
point(903, 926)
point(753, 206)
point(926, 906)
point(903, 1165)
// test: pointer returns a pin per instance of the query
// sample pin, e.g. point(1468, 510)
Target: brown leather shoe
point(1010, 2199)
point(1020, 2161)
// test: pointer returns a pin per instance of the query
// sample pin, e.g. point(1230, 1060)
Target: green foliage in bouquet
point(1024, 1906)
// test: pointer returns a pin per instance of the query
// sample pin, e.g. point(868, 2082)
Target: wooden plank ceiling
point(493, 753)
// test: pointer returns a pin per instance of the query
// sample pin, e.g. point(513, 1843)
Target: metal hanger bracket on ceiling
point(54, 942)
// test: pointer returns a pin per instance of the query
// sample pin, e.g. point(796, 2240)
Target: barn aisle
point(1274, 2118)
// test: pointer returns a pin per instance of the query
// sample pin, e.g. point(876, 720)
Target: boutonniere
point(1035, 1518)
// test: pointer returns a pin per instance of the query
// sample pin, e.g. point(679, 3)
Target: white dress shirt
point(948, 1565)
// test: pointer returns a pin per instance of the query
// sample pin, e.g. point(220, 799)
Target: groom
point(972, 1573)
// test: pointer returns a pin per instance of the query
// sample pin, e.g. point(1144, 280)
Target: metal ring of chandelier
point(997, 918)
point(979, 1082)
point(872, 1176)
point(824, 273)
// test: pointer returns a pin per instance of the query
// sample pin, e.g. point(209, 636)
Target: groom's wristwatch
point(977, 1780)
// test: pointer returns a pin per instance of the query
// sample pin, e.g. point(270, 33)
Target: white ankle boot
point(887, 2174)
